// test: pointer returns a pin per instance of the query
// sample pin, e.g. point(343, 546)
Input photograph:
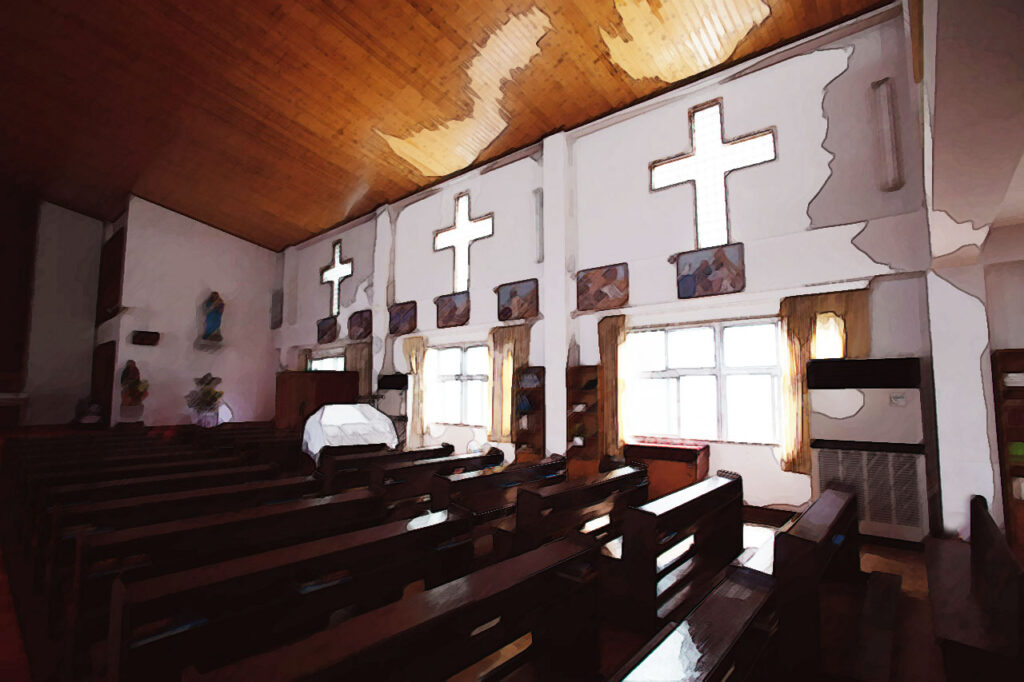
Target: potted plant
point(204, 400)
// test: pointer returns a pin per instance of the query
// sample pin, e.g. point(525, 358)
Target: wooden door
point(103, 377)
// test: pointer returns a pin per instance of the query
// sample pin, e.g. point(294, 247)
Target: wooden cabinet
point(583, 420)
point(1008, 385)
point(528, 411)
point(671, 465)
point(300, 394)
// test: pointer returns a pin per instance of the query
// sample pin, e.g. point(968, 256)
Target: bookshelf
point(528, 411)
point(583, 421)
point(1008, 385)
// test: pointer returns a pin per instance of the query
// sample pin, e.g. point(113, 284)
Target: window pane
point(689, 348)
point(698, 407)
point(645, 351)
point(647, 407)
point(829, 336)
point(478, 360)
point(751, 345)
point(448, 402)
point(749, 408)
point(449, 361)
point(477, 404)
point(329, 364)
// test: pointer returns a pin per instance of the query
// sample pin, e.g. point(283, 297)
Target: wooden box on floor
point(300, 394)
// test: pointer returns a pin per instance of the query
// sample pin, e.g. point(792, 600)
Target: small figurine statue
point(133, 389)
point(213, 310)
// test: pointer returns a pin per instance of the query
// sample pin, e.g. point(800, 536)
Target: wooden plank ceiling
point(275, 120)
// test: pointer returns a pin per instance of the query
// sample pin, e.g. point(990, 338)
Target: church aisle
point(13, 662)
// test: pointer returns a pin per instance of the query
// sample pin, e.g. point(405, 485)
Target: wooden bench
point(822, 543)
point(349, 466)
point(977, 597)
point(724, 637)
point(178, 545)
point(57, 543)
point(401, 480)
point(221, 612)
point(489, 495)
point(442, 631)
point(671, 550)
point(553, 511)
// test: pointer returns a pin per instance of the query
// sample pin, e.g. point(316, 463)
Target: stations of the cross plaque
point(707, 165)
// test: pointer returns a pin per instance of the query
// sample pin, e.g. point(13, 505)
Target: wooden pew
point(822, 543)
point(57, 543)
point(489, 495)
point(977, 597)
point(401, 480)
point(349, 466)
point(548, 512)
point(727, 634)
point(178, 545)
point(442, 631)
point(222, 612)
point(671, 550)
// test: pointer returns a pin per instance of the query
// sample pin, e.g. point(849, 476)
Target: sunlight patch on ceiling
point(455, 144)
point(675, 39)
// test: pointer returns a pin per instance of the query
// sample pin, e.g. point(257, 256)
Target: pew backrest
point(448, 488)
point(399, 480)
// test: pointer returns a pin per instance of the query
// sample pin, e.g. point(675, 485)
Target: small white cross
point(333, 274)
point(707, 166)
point(461, 236)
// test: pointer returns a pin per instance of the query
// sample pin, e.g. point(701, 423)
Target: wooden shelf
point(1009, 406)
point(528, 437)
point(587, 421)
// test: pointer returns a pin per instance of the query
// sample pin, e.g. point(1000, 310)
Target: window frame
point(721, 372)
point(324, 355)
point(462, 377)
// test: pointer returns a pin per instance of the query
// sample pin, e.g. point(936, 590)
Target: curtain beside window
point(359, 358)
point(799, 315)
point(414, 348)
point(510, 351)
point(611, 334)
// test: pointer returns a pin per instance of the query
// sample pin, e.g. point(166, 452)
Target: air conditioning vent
point(890, 489)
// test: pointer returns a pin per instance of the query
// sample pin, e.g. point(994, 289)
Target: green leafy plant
point(205, 397)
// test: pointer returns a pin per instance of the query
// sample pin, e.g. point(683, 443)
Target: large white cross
point(333, 274)
point(711, 160)
point(459, 238)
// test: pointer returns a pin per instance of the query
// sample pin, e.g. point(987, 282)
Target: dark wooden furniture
point(528, 410)
point(977, 597)
point(108, 296)
point(822, 543)
point(723, 638)
point(553, 511)
point(671, 549)
point(395, 481)
point(182, 544)
point(670, 466)
point(217, 613)
point(1009, 399)
point(440, 632)
point(349, 466)
point(583, 421)
point(488, 495)
point(300, 394)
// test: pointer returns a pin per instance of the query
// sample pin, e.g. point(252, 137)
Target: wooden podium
point(672, 464)
point(300, 394)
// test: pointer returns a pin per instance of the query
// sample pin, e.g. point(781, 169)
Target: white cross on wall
point(711, 160)
point(333, 274)
point(460, 237)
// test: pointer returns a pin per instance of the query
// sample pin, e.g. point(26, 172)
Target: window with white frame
point(717, 382)
point(455, 386)
point(328, 363)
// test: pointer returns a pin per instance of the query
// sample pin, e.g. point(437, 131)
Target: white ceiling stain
point(675, 39)
point(440, 150)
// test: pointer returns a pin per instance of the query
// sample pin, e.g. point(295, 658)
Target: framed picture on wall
point(518, 300)
point(603, 288)
point(360, 325)
point(402, 318)
point(452, 309)
point(710, 272)
point(327, 330)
